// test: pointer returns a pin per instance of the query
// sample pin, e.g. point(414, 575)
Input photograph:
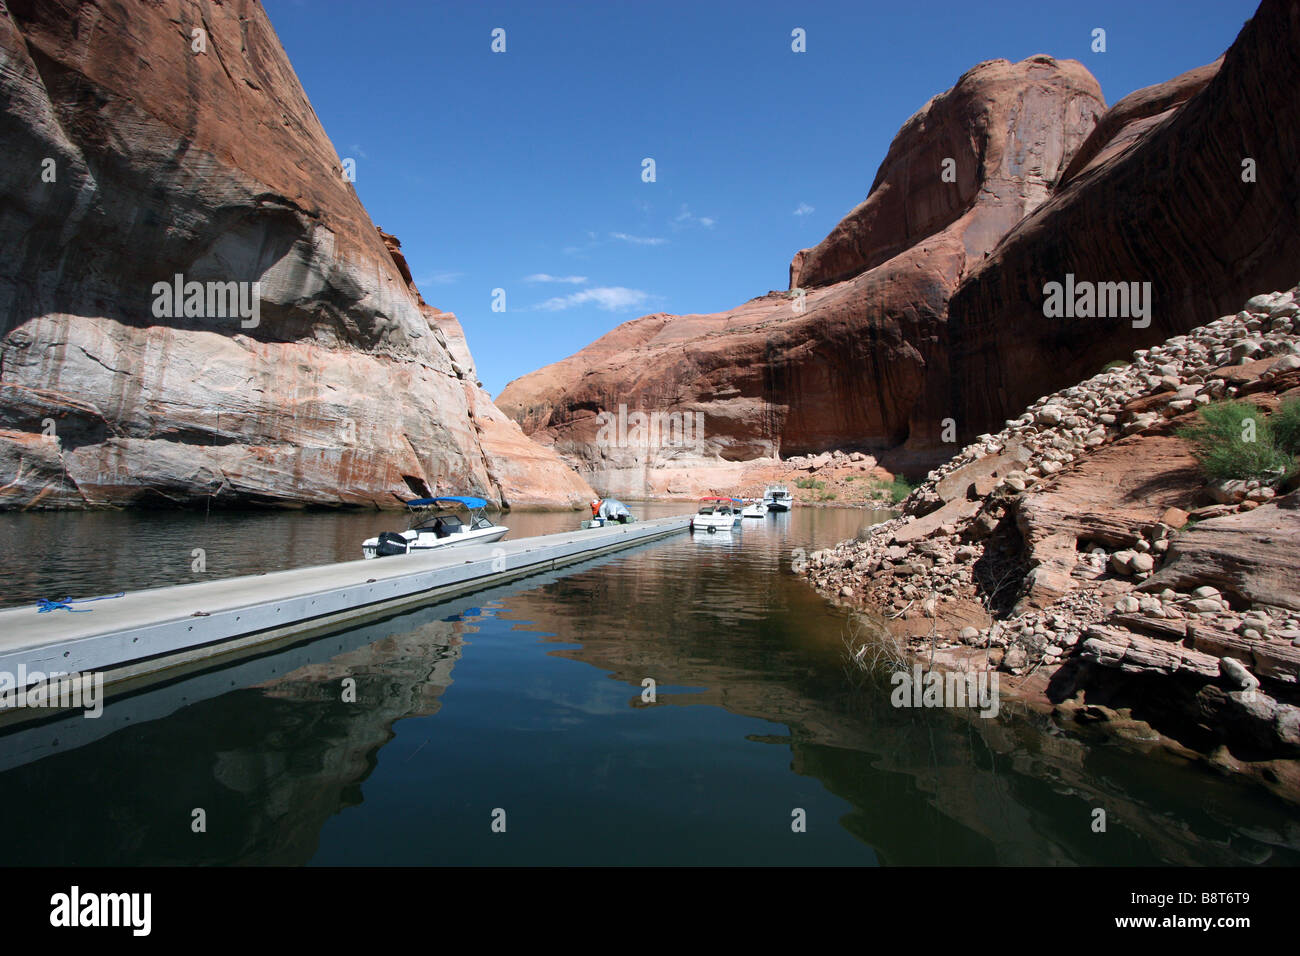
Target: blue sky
point(522, 170)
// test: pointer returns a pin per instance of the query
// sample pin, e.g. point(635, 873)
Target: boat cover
point(613, 509)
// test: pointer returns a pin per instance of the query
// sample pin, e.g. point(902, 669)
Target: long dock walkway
point(138, 638)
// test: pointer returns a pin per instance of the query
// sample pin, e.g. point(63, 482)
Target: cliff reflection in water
point(927, 786)
point(528, 697)
point(268, 764)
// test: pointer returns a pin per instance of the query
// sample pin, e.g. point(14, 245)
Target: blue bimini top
point(466, 500)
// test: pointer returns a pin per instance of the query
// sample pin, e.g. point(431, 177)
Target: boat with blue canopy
point(716, 514)
point(440, 522)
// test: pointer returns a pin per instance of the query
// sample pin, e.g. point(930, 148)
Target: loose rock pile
point(1177, 376)
point(835, 458)
point(944, 556)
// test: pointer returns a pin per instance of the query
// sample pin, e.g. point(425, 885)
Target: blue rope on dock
point(44, 605)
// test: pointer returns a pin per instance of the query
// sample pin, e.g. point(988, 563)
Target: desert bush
point(1236, 440)
point(1285, 425)
point(896, 490)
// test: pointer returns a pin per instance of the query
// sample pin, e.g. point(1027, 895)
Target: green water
point(524, 705)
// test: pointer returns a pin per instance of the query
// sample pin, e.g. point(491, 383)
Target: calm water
point(528, 700)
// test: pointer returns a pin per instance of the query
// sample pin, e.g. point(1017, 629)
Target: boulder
point(1249, 555)
point(1236, 675)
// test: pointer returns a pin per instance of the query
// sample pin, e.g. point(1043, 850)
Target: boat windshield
point(441, 525)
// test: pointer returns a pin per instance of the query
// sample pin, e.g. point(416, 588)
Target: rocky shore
point(1083, 552)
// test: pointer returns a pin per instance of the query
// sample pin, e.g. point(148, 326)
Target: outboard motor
point(390, 543)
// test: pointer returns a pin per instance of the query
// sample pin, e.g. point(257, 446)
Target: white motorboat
point(436, 523)
point(754, 508)
point(715, 514)
point(778, 498)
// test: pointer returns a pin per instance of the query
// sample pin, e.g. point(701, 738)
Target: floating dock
point(165, 633)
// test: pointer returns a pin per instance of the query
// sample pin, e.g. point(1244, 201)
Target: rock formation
point(1190, 186)
point(842, 361)
point(925, 306)
point(1004, 130)
point(173, 139)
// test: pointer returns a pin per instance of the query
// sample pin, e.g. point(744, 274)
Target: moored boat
point(608, 511)
point(778, 498)
point(716, 514)
point(754, 508)
point(436, 523)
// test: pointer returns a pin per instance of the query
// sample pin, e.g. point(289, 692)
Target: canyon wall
point(919, 321)
point(149, 141)
point(842, 360)
point(1160, 195)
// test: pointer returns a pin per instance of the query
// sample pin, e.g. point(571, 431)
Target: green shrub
point(1223, 446)
point(1243, 460)
point(900, 488)
point(1285, 425)
point(810, 483)
point(897, 490)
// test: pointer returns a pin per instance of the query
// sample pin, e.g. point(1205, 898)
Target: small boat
point(436, 523)
point(777, 498)
point(754, 508)
point(716, 514)
point(608, 511)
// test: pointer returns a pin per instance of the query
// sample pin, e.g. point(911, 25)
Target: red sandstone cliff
point(1158, 195)
point(926, 303)
point(845, 365)
point(145, 141)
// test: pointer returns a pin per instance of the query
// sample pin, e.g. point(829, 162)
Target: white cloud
point(688, 217)
point(580, 250)
point(545, 277)
point(638, 240)
point(609, 298)
point(439, 278)
point(803, 210)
